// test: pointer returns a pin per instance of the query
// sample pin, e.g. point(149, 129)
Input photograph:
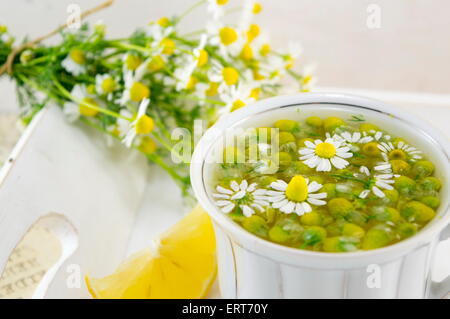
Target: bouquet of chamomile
point(138, 89)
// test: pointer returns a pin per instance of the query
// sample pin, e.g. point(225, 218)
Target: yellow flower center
point(237, 105)
point(3, 28)
point(192, 82)
point(230, 75)
point(157, 63)
point(168, 46)
point(202, 58)
point(257, 8)
point(77, 56)
point(221, 2)
point(164, 22)
point(108, 85)
point(289, 62)
point(132, 62)
point(213, 89)
point(258, 76)
point(325, 150)
point(227, 35)
point(253, 32)
point(265, 49)
point(86, 109)
point(144, 125)
point(91, 89)
point(306, 79)
point(139, 91)
point(397, 154)
point(297, 189)
point(115, 131)
point(254, 93)
point(247, 52)
point(275, 74)
point(148, 145)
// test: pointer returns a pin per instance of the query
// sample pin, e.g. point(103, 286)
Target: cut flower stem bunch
point(138, 89)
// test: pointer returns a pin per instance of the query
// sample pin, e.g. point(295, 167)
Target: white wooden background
point(410, 52)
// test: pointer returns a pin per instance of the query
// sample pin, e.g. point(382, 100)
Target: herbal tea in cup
point(326, 184)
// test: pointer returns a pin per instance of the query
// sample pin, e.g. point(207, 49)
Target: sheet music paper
point(33, 256)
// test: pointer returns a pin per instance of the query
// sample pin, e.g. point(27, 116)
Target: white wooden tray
point(103, 203)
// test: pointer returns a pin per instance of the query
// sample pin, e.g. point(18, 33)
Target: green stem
point(152, 157)
point(351, 178)
point(189, 10)
point(128, 46)
point(94, 107)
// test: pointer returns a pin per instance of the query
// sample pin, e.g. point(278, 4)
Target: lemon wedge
point(182, 265)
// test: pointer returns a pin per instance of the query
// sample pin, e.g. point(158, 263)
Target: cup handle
point(441, 289)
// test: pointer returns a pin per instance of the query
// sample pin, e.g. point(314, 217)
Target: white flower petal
point(378, 192)
point(339, 162)
point(228, 208)
point(234, 186)
point(306, 151)
point(257, 206)
point(279, 185)
point(314, 187)
point(247, 211)
point(316, 202)
point(224, 196)
point(364, 193)
point(280, 204)
point(307, 208)
point(260, 191)
point(252, 187)
point(299, 209)
point(318, 195)
point(238, 195)
point(288, 208)
point(221, 203)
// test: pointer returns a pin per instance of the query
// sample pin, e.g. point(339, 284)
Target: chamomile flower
point(105, 84)
point(384, 167)
point(377, 135)
point(200, 54)
point(159, 31)
point(5, 37)
point(75, 62)
point(216, 8)
point(235, 97)
point(297, 196)
point(131, 62)
point(308, 79)
point(377, 183)
point(250, 8)
point(354, 138)
point(400, 150)
point(293, 53)
point(82, 105)
point(226, 75)
point(322, 155)
point(135, 91)
point(246, 197)
point(226, 38)
point(143, 124)
point(152, 64)
point(123, 125)
point(184, 73)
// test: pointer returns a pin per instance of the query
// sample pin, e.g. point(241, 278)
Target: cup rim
point(202, 150)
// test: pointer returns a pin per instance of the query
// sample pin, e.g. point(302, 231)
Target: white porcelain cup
point(251, 267)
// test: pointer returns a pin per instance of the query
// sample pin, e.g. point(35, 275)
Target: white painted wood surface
point(65, 169)
point(114, 203)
